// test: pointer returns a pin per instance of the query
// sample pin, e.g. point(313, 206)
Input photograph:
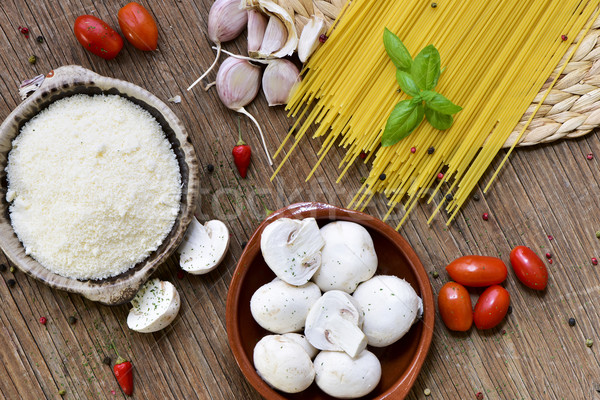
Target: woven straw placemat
point(572, 108)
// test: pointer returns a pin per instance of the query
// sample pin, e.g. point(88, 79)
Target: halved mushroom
point(344, 377)
point(203, 247)
point(334, 323)
point(302, 341)
point(390, 306)
point(292, 249)
point(283, 364)
point(280, 307)
point(154, 307)
point(348, 257)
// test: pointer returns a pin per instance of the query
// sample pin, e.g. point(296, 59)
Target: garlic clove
point(300, 22)
point(275, 37)
point(257, 24)
point(226, 20)
point(278, 80)
point(237, 82)
point(309, 38)
point(274, 10)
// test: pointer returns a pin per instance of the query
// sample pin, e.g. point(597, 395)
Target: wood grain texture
point(544, 190)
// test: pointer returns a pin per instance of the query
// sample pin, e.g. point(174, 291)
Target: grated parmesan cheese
point(94, 186)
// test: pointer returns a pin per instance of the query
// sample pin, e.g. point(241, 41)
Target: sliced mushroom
point(292, 249)
point(347, 258)
point(344, 377)
point(155, 306)
point(203, 247)
point(390, 306)
point(334, 323)
point(301, 340)
point(280, 307)
point(283, 364)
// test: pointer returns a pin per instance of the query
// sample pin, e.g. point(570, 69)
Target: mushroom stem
point(242, 110)
point(207, 71)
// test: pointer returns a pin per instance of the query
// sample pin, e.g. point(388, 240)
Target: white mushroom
point(154, 307)
point(301, 340)
point(203, 247)
point(292, 249)
point(283, 364)
point(334, 323)
point(348, 257)
point(280, 307)
point(390, 306)
point(344, 377)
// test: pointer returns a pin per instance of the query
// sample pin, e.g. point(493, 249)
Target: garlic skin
point(278, 80)
point(226, 20)
point(274, 39)
point(273, 9)
point(237, 82)
point(309, 38)
point(257, 24)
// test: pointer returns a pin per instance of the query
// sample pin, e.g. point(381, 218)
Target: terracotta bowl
point(401, 362)
point(67, 81)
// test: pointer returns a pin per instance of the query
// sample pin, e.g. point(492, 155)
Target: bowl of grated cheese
point(98, 184)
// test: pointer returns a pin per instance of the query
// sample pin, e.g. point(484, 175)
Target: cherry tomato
point(138, 26)
point(455, 307)
point(491, 307)
point(96, 36)
point(529, 268)
point(477, 271)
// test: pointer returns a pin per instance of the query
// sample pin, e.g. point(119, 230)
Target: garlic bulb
point(278, 81)
point(237, 85)
point(272, 9)
point(257, 24)
point(226, 20)
point(309, 38)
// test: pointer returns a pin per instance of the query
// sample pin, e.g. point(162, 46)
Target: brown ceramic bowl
point(400, 362)
point(66, 81)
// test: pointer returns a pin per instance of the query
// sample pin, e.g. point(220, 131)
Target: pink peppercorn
point(180, 274)
point(440, 176)
point(550, 261)
point(548, 256)
point(564, 37)
point(485, 216)
point(590, 156)
point(413, 150)
point(550, 237)
point(363, 155)
point(43, 320)
point(323, 38)
point(479, 396)
point(594, 261)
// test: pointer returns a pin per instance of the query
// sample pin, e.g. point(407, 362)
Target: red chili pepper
point(124, 374)
point(241, 155)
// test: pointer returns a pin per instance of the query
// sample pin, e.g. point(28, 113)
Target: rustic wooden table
point(546, 191)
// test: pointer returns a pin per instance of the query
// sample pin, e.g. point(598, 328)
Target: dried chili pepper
point(124, 373)
point(241, 154)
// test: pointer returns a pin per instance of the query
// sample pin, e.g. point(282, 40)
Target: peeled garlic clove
point(278, 81)
point(275, 37)
point(272, 9)
point(257, 24)
point(226, 20)
point(309, 38)
point(237, 82)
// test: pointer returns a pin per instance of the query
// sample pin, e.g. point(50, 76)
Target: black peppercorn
point(106, 361)
point(476, 197)
point(430, 150)
point(210, 168)
point(2, 267)
point(382, 177)
point(244, 245)
point(72, 320)
point(40, 39)
point(571, 321)
point(433, 5)
point(509, 311)
point(11, 283)
point(449, 197)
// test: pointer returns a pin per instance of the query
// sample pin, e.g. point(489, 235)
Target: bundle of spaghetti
point(496, 57)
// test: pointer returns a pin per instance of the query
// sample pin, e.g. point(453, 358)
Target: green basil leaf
point(404, 118)
point(428, 95)
point(426, 68)
point(440, 104)
point(407, 83)
point(438, 120)
point(396, 50)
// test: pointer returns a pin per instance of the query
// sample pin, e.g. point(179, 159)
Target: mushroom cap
point(283, 364)
point(348, 257)
point(344, 377)
point(390, 306)
point(203, 247)
point(302, 341)
point(292, 249)
point(280, 307)
point(155, 306)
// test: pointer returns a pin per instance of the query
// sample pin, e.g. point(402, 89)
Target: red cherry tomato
point(529, 268)
point(477, 271)
point(138, 26)
point(96, 36)
point(491, 308)
point(455, 307)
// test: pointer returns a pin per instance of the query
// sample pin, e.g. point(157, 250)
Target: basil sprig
point(418, 79)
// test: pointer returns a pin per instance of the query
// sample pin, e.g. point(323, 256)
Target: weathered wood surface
point(546, 190)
